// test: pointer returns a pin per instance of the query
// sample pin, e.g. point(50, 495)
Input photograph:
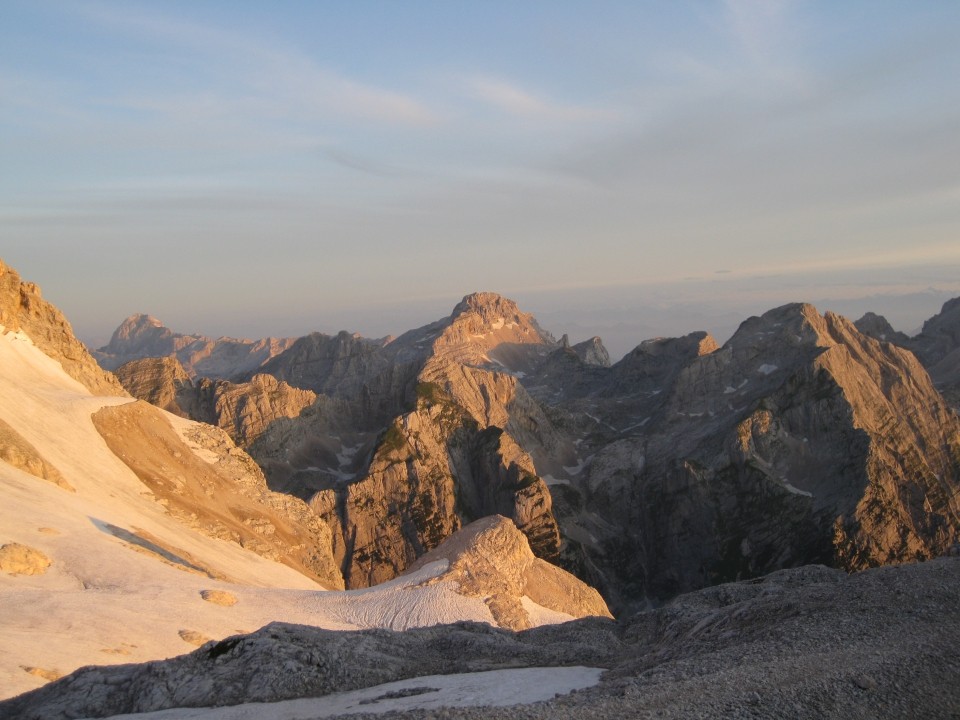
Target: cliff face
point(801, 440)
point(23, 308)
point(453, 458)
point(157, 380)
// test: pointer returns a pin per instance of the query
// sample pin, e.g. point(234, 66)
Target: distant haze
point(623, 169)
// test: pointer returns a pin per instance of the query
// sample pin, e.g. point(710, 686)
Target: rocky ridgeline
point(23, 308)
point(142, 336)
point(937, 346)
point(685, 464)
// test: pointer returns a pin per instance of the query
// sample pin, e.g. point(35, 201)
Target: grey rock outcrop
point(491, 558)
point(23, 308)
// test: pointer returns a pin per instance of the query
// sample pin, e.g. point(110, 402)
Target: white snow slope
point(105, 600)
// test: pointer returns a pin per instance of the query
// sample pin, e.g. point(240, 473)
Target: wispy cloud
point(758, 25)
point(518, 102)
point(284, 80)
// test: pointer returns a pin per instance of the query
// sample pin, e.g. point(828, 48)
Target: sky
point(627, 169)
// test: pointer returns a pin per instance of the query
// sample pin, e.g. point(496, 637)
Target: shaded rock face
point(940, 335)
point(877, 327)
point(938, 347)
point(142, 336)
point(800, 440)
point(23, 308)
point(157, 380)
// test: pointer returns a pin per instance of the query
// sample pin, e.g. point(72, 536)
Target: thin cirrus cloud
point(515, 101)
point(280, 80)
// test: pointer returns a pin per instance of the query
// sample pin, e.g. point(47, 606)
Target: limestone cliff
point(800, 440)
point(23, 308)
point(454, 457)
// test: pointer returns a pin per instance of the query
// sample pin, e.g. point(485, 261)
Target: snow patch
point(796, 490)
point(496, 688)
point(766, 369)
point(578, 468)
point(498, 323)
point(539, 615)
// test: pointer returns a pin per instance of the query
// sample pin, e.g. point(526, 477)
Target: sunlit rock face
point(22, 308)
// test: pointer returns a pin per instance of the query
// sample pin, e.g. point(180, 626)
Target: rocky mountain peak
point(877, 327)
point(941, 333)
point(592, 352)
point(490, 312)
point(488, 305)
point(798, 318)
point(489, 330)
point(136, 329)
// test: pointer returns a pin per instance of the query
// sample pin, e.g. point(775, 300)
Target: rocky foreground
point(807, 642)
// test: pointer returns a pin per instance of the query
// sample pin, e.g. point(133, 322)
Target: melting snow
point(729, 389)
point(346, 454)
point(578, 468)
point(498, 323)
point(796, 490)
point(766, 369)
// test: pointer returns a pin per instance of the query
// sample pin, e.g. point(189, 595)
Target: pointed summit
point(488, 329)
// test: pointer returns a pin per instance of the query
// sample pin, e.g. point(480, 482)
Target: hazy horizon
point(622, 169)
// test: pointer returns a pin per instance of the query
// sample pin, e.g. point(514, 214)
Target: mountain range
point(804, 438)
point(476, 470)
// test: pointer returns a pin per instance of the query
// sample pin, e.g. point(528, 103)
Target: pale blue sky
point(248, 168)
